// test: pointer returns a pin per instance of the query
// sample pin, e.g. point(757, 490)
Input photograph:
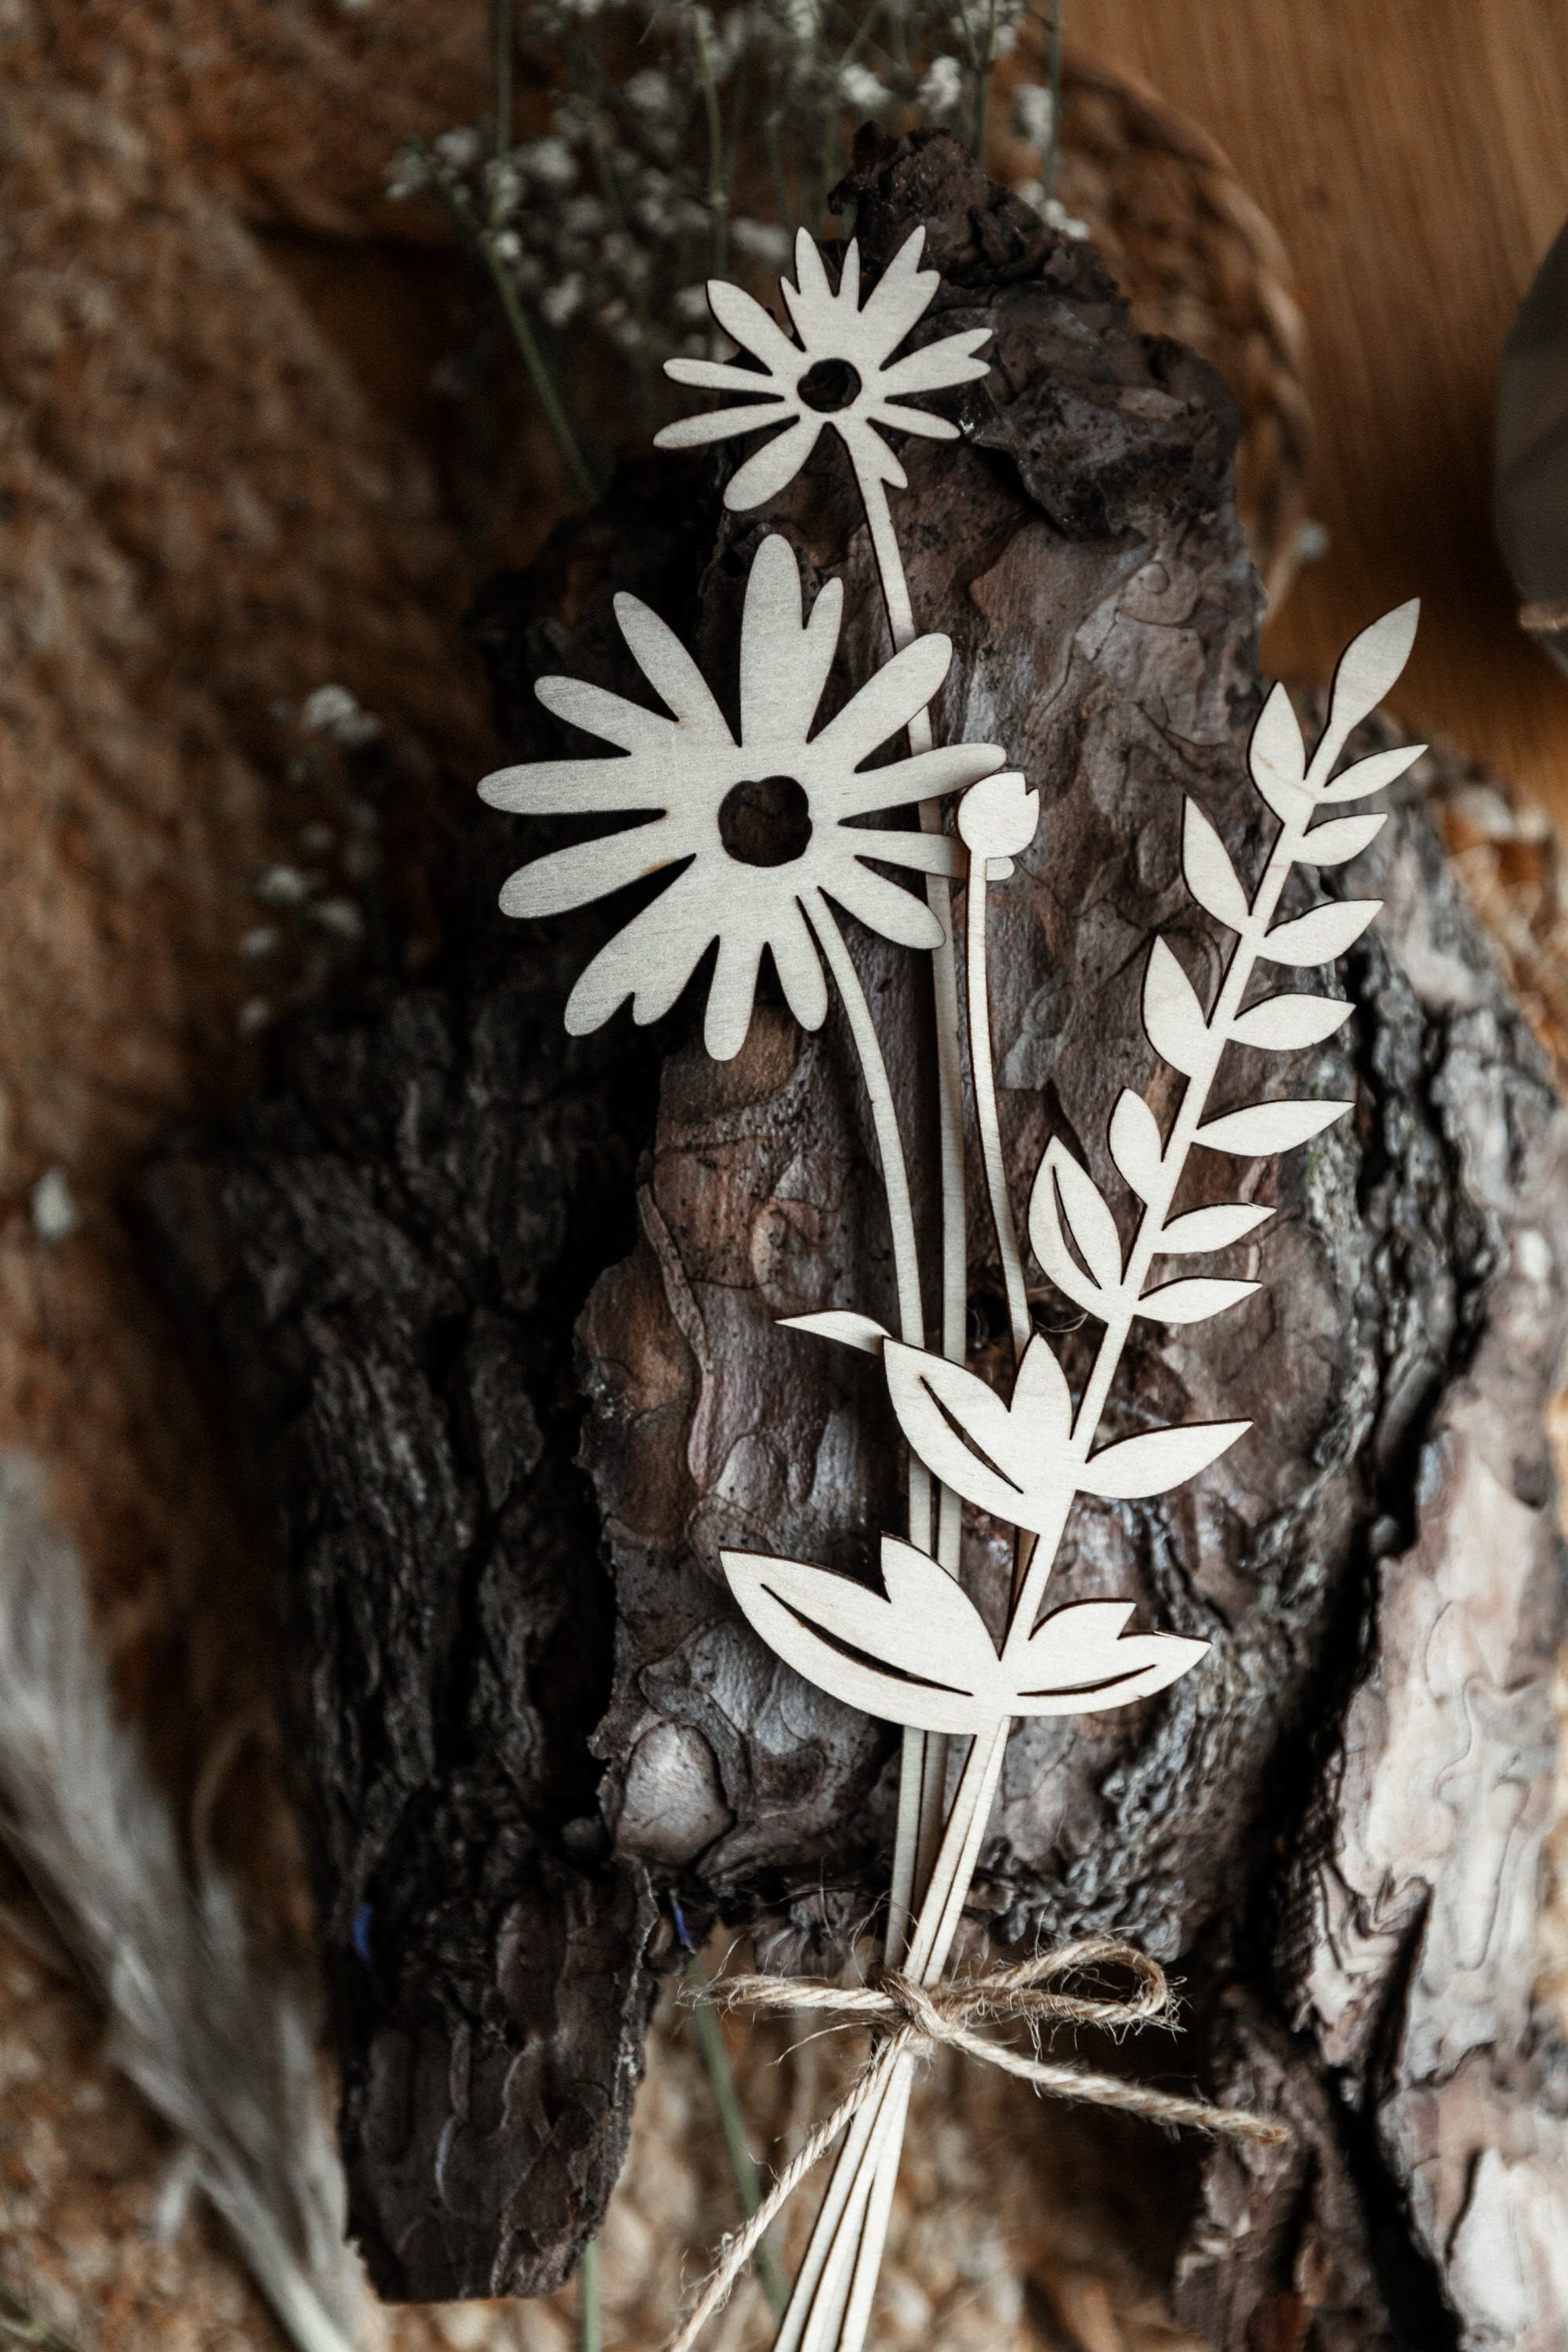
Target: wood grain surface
point(1414, 157)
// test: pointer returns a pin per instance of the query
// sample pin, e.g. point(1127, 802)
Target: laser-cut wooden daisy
point(760, 833)
point(840, 376)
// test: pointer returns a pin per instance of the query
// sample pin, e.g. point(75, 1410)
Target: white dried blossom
point(625, 256)
point(460, 148)
point(409, 176)
point(1036, 109)
point(691, 302)
point(651, 92)
point(549, 161)
point(760, 241)
point(333, 711)
point(940, 90)
point(503, 185)
point(55, 1213)
point(561, 301)
point(506, 245)
point(861, 91)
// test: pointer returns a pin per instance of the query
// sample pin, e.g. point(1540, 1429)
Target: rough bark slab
point(393, 1245)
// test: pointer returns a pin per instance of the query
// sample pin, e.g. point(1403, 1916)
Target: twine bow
point(924, 2018)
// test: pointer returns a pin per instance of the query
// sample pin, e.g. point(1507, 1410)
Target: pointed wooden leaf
point(1173, 1014)
point(1048, 1241)
point(1277, 757)
point(1269, 1126)
point(1080, 1661)
point(1282, 1024)
point(1369, 667)
point(1370, 775)
point(1089, 1224)
point(1342, 838)
point(1320, 934)
point(840, 1323)
point(917, 1652)
point(1157, 1460)
point(1210, 875)
point(1136, 1144)
point(960, 1430)
point(1211, 1229)
point(1194, 1301)
point(1041, 1405)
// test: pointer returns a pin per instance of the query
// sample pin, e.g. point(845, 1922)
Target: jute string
point(927, 2018)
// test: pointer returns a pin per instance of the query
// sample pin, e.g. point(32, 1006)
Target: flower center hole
point(767, 822)
point(829, 385)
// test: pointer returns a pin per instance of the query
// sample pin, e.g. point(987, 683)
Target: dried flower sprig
point(725, 137)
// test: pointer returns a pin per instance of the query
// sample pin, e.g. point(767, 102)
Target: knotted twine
point(925, 2018)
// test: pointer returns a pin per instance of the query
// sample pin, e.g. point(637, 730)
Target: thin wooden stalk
point(922, 1775)
point(841, 2249)
point(977, 984)
point(895, 1169)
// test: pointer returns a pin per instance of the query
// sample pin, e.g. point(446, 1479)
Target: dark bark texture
point(525, 1709)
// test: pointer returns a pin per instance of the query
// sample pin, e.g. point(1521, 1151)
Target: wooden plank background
point(1414, 156)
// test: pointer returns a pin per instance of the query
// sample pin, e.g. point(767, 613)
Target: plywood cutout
point(757, 838)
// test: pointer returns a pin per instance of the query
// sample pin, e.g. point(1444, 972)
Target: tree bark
point(526, 1711)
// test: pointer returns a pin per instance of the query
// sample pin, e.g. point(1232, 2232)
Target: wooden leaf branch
point(391, 1246)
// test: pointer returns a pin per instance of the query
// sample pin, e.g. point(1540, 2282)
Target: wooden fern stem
point(830, 2309)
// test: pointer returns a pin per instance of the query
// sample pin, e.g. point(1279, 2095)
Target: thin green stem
point(503, 79)
point(731, 2123)
point(456, 201)
point(1053, 150)
point(642, 364)
point(539, 375)
point(983, 84)
point(589, 2312)
point(717, 196)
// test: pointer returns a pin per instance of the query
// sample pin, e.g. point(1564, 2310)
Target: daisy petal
point(654, 956)
point(870, 455)
point(609, 787)
point(719, 375)
point(849, 276)
point(923, 853)
point(592, 869)
point(608, 716)
point(729, 1014)
point(784, 665)
point(883, 907)
point(799, 968)
point(901, 294)
point(936, 365)
point(773, 467)
point(810, 300)
point(917, 420)
point(670, 670)
point(746, 322)
point(950, 768)
point(888, 701)
point(722, 424)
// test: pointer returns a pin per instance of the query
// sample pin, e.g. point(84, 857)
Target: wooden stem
point(976, 982)
point(844, 2255)
point(895, 1169)
point(922, 1775)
